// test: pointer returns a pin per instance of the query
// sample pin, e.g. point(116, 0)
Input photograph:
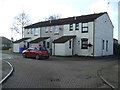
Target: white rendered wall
point(68, 51)
point(79, 36)
point(16, 47)
point(103, 31)
point(32, 36)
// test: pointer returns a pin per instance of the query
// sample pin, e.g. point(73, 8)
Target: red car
point(38, 52)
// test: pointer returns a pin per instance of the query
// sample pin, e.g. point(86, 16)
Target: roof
point(5, 40)
point(63, 39)
point(20, 40)
point(70, 20)
point(39, 39)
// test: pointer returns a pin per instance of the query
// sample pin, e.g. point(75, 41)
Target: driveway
point(56, 73)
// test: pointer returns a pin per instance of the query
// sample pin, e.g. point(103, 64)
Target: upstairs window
point(56, 32)
point(46, 29)
point(84, 43)
point(84, 27)
point(77, 26)
point(28, 31)
point(36, 31)
point(32, 30)
point(71, 27)
point(51, 29)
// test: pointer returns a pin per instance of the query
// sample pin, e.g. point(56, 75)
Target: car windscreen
point(42, 48)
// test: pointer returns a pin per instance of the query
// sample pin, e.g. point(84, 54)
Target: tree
point(52, 17)
point(20, 21)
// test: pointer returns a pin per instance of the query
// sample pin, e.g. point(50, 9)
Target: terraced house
point(86, 35)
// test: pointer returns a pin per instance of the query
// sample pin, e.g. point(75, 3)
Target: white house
point(86, 35)
point(22, 43)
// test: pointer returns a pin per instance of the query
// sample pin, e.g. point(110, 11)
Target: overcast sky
point(38, 9)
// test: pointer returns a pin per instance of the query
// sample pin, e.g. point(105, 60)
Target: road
point(31, 73)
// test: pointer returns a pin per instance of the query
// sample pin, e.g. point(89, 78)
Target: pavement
point(61, 72)
point(110, 75)
point(5, 69)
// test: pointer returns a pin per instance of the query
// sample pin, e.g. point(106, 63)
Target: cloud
point(98, 6)
point(108, 6)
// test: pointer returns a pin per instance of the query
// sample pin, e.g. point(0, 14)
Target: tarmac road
point(31, 73)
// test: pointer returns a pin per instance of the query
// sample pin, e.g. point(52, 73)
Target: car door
point(29, 52)
point(32, 52)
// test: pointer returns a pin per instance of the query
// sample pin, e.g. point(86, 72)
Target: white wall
point(79, 36)
point(16, 47)
point(32, 36)
point(68, 51)
point(103, 31)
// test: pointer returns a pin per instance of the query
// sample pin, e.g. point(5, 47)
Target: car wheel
point(24, 55)
point(37, 57)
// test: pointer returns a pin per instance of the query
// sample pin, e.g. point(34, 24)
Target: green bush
point(5, 48)
point(118, 49)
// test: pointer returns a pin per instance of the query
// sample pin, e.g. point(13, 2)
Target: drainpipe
point(93, 38)
point(54, 48)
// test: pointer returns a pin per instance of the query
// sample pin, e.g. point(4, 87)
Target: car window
point(31, 49)
point(42, 48)
point(36, 49)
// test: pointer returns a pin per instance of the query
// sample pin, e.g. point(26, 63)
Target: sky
point(39, 9)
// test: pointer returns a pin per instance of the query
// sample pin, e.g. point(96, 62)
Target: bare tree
point(20, 21)
point(52, 17)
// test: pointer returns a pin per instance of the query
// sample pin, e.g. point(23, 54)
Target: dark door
point(28, 44)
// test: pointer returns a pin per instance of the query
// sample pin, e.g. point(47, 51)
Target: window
point(31, 49)
point(32, 30)
point(28, 31)
point(103, 44)
point(71, 27)
point(107, 45)
point(44, 43)
point(43, 48)
point(56, 32)
point(48, 44)
point(77, 26)
point(46, 29)
point(36, 49)
point(84, 43)
point(36, 31)
point(51, 28)
point(84, 27)
point(70, 44)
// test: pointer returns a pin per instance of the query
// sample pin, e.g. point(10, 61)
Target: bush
point(118, 50)
point(5, 48)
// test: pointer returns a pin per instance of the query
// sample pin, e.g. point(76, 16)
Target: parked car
point(37, 52)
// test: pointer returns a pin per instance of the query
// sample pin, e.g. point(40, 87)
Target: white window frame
point(85, 27)
point(46, 29)
point(36, 31)
point(51, 29)
point(56, 30)
point(28, 31)
point(77, 26)
point(71, 27)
